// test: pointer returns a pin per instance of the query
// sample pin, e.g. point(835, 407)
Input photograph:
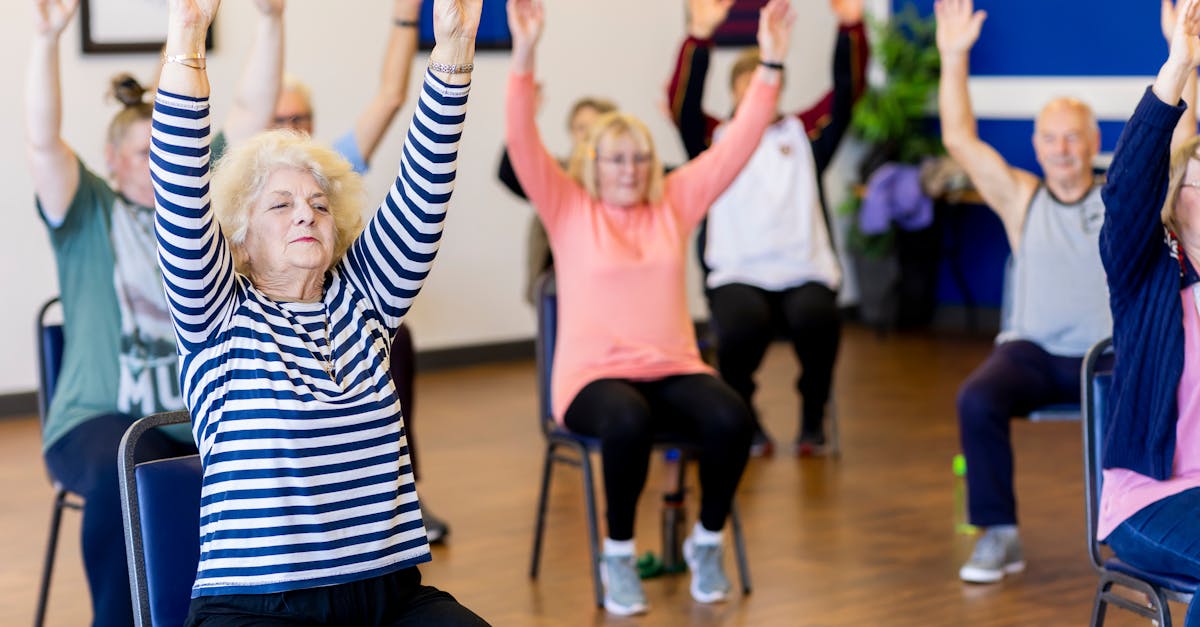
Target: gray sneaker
point(623, 594)
point(997, 553)
point(707, 563)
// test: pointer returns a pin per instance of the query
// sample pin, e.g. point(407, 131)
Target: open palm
point(1185, 38)
point(775, 29)
point(958, 25)
point(706, 15)
point(456, 19)
point(525, 21)
point(52, 16)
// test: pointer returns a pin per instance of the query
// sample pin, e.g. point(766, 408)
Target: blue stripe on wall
point(1057, 38)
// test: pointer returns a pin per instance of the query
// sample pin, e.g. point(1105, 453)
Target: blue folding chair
point(49, 334)
point(565, 447)
point(160, 502)
point(1157, 589)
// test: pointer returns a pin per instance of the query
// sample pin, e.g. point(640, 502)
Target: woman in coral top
point(627, 366)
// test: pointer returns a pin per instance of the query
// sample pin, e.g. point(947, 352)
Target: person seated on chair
point(1150, 244)
point(1059, 299)
point(294, 110)
point(119, 362)
point(627, 366)
point(538, 258)
point(766, 246)
point(284, 307)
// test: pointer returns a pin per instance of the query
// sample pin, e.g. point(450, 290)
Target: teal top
point(91, 381)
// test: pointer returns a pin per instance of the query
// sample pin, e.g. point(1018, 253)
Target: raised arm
point(253, 108)
point(693, 187)
point(685, 91)
point(196, 265)
point(375, 119)
point(1007, 190)
point(539, 174)
point(54, 166)
point(827, 121)
point(392, 257)
point(1136, 186)
point(1187, 122)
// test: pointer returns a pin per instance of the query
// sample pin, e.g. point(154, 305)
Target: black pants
point(627, 415)
point(395, 599)
point(403, 368)
point(84, 460)
point(1017, 378)
point(747, 318)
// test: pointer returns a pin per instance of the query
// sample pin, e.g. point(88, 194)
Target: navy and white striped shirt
point(307, 479)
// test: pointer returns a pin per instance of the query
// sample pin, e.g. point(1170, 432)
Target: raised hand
point(704, 16)
point(958, 25)
point(1185, 36)
point(526, 18)
point(50, 17)
point(847, 11)
point(456, 20)
point(192, 14)
point(1166, 19)
point(775, 30)
point(269, 7)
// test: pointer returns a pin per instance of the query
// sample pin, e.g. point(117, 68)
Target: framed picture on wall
point(493, 27)
point(741, 27)
point(125, 26)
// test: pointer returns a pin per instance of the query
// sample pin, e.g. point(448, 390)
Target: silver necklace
point(326, 356)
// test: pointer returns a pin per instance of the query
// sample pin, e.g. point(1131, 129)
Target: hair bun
point(127, 90)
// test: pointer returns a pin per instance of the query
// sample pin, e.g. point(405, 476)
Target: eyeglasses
point(617, 161)
point(293, 120)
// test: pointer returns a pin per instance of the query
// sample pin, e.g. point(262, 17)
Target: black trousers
point(747, 318)
point(628, 415)
point(397, 599)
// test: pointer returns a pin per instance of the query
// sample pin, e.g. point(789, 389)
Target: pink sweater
point(1125, 491)
point(622, 297)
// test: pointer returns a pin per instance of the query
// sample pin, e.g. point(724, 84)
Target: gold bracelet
point(195, 60)
point(450, 68)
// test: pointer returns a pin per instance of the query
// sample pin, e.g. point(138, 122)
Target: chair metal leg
point(1099, 605)
point(540, 524)
point(593, 531)
point(1164, 610)
point(835, 432)
point(674, 517)
point(739, 548)
point(60, 496)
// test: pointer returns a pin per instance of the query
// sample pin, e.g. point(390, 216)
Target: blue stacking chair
point(49, 335)
point(564, 447)
point(160, 502)
point(1157, 589)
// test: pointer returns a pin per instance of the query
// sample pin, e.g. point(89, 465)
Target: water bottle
point(961, 524)
point(674, 520)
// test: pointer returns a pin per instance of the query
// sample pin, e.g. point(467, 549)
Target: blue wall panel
point(1064, 37)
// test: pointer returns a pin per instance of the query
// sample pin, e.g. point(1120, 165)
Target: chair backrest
point(1096, 382)
point(546, 301)
point(49, 334)
point(161, 508)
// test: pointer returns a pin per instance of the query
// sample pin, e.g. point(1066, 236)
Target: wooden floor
point(865, 540)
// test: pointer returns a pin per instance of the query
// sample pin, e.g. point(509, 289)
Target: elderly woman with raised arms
point(626, 366)
point(284, 307)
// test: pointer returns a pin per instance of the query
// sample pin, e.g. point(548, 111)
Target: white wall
point(474, 292)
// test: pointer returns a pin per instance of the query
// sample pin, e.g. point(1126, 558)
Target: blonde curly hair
point(241, 175)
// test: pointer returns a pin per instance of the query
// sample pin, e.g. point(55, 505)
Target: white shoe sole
point(971, 574)
point(612, 607)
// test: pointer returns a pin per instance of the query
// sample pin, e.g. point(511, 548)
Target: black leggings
point(627, 415)
point(747, 318)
